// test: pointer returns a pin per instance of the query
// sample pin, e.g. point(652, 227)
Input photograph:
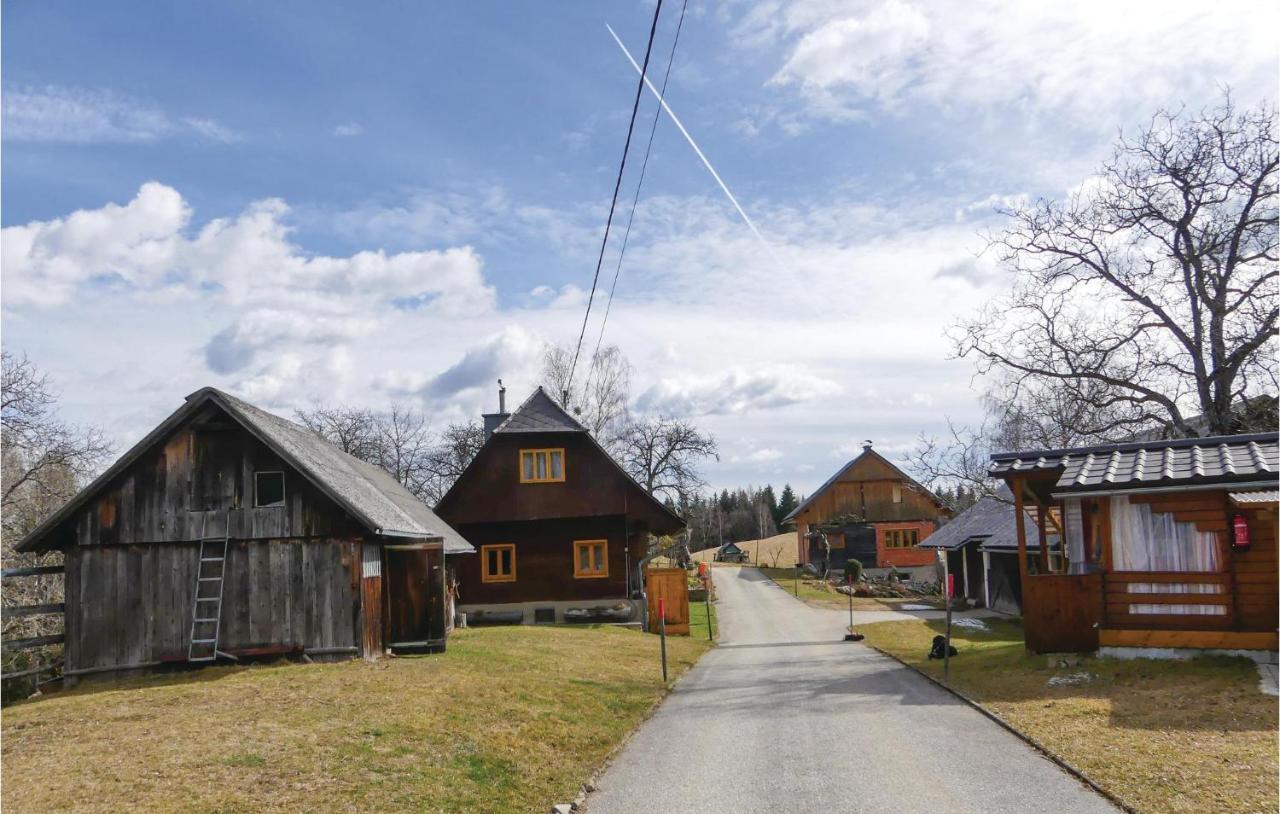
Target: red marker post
point(662, 634)
point(946, 652)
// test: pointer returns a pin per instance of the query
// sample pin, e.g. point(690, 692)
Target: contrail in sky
point(694, 145)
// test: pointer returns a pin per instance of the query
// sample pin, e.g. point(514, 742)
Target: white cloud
point(1089, 64)
point(738, 390)
point(79, 116)
point(347, 130)
point(759, 456)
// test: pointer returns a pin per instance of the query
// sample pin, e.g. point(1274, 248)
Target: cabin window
point(901, 538)
point(590, 558)
point(498, 563)
point(268, 489)
point(897, 493)
point(541, 465)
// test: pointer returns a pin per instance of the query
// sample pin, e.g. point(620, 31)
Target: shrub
point(853, 571)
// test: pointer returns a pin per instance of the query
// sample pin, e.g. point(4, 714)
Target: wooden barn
point(981, 548)
point(228, 532)
point(1160, 544)
point(870, 511)
point(559, 526)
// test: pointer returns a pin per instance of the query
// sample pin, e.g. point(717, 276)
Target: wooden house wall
point(490, 490)
point(131, 605)
point(200, 479)
point(544, 561)
point(866, 489)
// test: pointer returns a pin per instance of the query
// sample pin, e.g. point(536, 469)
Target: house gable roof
point(1225, 459)
point(370, 495)
point(866, 452)
point(541, 414)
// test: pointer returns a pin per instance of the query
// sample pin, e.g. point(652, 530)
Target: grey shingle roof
point(1264, 497)
point(1223, 459)
point(990, 521)
point(540, 413)
point(374, 498)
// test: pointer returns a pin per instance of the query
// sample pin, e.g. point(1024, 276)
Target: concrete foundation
point(554, 610)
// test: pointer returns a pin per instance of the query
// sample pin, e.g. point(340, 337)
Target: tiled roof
point(1223, 459)
point(540, 413)
point(1259, 498)
point(990, 521)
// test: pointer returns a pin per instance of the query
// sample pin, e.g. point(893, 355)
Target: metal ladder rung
point(206, 599)
point(214, 619)
point(204, 641)
point(206, 649)
point(211, 579)
point(213, 559)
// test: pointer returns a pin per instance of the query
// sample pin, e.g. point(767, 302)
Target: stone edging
point(1030, 741)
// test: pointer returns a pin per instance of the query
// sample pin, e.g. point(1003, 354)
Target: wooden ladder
point(206, 616)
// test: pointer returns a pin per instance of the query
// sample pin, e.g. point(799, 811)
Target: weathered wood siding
point(129, 605)
point(490, 491)
point(200, 479)
point(544, 560)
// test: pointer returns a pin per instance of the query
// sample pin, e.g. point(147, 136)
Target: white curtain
point(1143, 540)
point(1073, 519)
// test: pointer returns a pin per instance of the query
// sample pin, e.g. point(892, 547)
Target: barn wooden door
point(414, 585)
point(672, 586)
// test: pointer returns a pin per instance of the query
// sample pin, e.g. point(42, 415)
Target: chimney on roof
point(492, 420)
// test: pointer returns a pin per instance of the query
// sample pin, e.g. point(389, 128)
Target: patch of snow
point(1071, 680)
point(972, 624)
point(1267, 679)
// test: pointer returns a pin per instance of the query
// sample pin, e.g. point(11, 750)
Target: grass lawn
point(699, 619)
point(777, 551)
point(822, 594)
point(1164, 736)
point(510, 719)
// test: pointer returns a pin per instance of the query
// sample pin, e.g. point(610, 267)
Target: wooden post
point(662, 635)
point(946, 590)
point(710, 636)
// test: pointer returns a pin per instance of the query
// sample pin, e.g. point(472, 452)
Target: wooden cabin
point(1160, 544)
point(228, 532)
point(560, 527)
point(981, 549)
point(870, 511)
point(731, 552)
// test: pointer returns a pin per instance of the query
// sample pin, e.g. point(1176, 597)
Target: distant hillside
point(781, 546)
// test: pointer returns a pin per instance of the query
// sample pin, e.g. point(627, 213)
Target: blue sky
point(401, 202)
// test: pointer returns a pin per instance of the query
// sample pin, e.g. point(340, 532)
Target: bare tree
point(45, 461)
point(599, 398)
point(1149, 295)
point(450, 456)
point(352, 429)
point(405, 444)
point(663, 454)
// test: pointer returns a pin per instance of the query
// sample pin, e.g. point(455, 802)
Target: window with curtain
point(1143, 540)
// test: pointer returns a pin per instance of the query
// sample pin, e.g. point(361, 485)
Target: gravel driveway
point(784, 716)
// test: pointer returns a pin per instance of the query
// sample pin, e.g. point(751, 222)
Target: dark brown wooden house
point(229, 532)
point(871, 511)
point(558, 525)
point(1159, 544)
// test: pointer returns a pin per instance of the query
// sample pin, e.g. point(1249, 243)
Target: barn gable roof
point(370, 495)
point(867, 451)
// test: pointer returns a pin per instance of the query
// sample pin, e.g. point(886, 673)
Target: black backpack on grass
point(941, 649)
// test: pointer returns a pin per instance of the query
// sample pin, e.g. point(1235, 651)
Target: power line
point(644, 165)
point(635, 107)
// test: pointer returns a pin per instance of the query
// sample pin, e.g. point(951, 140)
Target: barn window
point(498, 563)
point(541, 465)
point(590, 558)
point(268, 489)
point(901, 538)
point(897, 493)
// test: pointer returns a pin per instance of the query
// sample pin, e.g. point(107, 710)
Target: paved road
point(784, 716)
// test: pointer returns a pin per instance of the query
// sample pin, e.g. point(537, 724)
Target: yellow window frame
point(485, 574)
point(578, 572)
point(545, 456)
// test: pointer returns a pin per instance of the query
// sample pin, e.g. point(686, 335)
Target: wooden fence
point(32, 642)
point(671, 585)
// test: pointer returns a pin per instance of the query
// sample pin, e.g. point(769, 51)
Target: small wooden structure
point(668, 588)
point(560, 527)
point(230, 532)
point(731, 552)
point(1168, 544)
point(981, 548)
point(870, 511)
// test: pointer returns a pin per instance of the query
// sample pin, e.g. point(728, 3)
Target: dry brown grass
point(779, 550)
point(822, 594)
point(1164, 736)
point(510, 719)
